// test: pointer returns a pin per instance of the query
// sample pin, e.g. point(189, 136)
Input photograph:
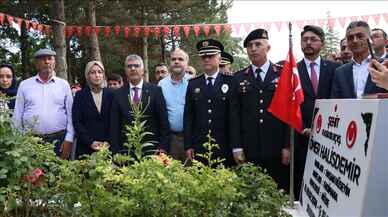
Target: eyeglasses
point(312, 39)
point(133, 66)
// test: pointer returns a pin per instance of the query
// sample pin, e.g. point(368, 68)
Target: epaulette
point(276, 67)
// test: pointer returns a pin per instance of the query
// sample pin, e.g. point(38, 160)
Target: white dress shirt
point(214, 76)
point(360, 76)
point(317, 66)
point(264, 69)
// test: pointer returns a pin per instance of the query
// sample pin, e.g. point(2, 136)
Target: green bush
point(125, 185)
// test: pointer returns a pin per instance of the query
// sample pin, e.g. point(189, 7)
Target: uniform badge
point(205, 43)
point(197, 90)
point(224, 88)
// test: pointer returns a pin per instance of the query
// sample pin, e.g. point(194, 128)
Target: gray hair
point(180, 50)
point(134, 57)
point(358, 23)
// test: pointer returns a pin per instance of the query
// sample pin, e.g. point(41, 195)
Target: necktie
point(136, 97)
point(210, 81)
point(258, 76)
point(209, 86)
point(314, 78)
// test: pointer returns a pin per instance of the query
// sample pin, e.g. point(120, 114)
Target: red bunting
point(88, 31)
point(107, 31)
point(157, 31)
point(267, 26)
point(227, 28)
point(197, 28)
point(136, 31)
point(97, 30)
point(34, 25)
point(278, 25)
point(247, 27)
point(166, 30)
point(217, 29)
point(20, 22)
point(176, 30)
point(365, 18)
point(27, 25)
point(146, 31)
point(206, 30)
point(237, 28)
point(321, 22)
point(353, 18)
point(376, 18)
point(342, 21)
point(310, 22)
point(331, 22)
point(1, 18)
point(300, 23)
point(126, 32)
point(10, 20)
point(385, 17)
point(117, 31)
point(186, 30)
point(68, 31)
point(78, 31)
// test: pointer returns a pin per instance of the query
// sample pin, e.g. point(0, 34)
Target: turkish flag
point(288, 94)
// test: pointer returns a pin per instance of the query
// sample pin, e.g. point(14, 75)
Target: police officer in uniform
point(211, 107)
point(264, 138)
point(226, 63)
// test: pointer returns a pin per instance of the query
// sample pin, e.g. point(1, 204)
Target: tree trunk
point(94, 49)
point(24, 52)
point(145, 59)
point(59, 38)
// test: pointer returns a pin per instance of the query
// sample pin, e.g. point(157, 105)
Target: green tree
point(331, 40)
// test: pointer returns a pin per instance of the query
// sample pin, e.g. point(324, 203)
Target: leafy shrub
point(125, 185)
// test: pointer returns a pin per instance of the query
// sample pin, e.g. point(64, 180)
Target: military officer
point(226, 63)
point(264, 138)
point(211, 107)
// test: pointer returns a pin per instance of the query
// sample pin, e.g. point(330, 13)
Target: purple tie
point(314, 78)
point(136, 98)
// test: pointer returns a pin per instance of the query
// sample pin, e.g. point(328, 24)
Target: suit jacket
point(212, 112)
point(155, 115)
point(343, 85)
point(262, 135)
point(326, 73)
point(89, 124)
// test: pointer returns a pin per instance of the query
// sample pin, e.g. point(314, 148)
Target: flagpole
point(292, 135)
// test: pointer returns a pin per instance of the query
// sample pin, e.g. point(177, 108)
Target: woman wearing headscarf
point(91, 110)
point(8, 85)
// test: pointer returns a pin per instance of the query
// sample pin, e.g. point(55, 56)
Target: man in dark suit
point(380, 40)
point(316, 76)
point(211, 107)
point(149, 98)
point(264, 138)
point(352, 80)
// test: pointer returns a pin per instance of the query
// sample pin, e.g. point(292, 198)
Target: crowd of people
point(183, 108)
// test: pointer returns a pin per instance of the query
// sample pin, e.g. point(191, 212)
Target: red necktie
point(314, 78)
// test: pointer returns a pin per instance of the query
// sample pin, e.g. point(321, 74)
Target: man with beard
point(264, 138)
point(211, 107)
point(174, 88)
point(346, 54)
point(352, 80)
point(380, 40)
point(316, 75)
point(43, 105)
